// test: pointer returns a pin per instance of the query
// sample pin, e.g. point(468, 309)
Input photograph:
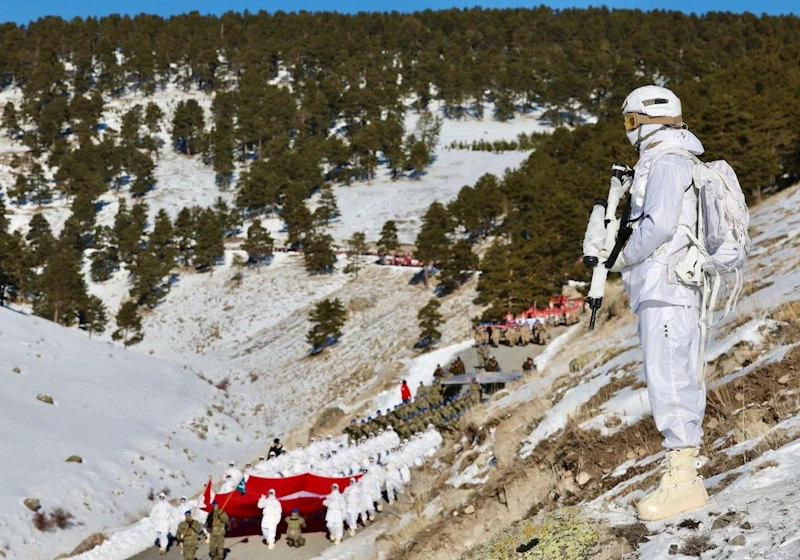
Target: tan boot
point(271, 545)
point(680, 488)
point(379, 507)
point(337, 541)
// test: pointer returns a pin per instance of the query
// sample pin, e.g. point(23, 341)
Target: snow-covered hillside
point(184, 181)
point(582, 435)
point(247, 338)
point(128, 417)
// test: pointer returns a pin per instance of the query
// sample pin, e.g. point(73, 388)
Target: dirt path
point(250, 548)
point(509, 358)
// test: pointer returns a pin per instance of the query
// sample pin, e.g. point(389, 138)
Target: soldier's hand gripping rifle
point(606, 235)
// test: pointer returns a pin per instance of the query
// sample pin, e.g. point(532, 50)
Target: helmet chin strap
point(639, 138)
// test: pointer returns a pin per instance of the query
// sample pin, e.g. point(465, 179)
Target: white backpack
point(720, 243)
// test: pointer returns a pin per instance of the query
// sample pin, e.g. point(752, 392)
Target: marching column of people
point(384, 477)
point(429, 406)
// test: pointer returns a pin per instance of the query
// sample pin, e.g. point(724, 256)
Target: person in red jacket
point(405, 392)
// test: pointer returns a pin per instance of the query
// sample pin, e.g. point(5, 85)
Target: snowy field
point(127, 416)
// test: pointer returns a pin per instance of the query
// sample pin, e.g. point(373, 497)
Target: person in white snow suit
point(161, 517)
point(271, 514)
point(178, 516)
point(663, 200)
point(394, 480)
point(370, 495)
point(228, 485)
point(352, 497)
point(235, 473)
point(334, 515)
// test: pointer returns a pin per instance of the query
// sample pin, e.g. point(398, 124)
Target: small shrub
point(223, 385)
point(61, 518)
point(42, 522)
point(151, 495)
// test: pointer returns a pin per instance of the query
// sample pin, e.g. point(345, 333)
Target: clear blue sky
point(23, 11)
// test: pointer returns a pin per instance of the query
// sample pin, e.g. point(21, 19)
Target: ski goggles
point(635, 120)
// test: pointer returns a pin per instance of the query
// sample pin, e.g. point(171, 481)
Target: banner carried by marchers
point(304, 492)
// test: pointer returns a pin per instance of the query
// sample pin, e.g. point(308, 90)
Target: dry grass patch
point(634, 534)
point(696, 545)
point(789, 313)
point(726, 481)
point(765, 465)
point(604, 394)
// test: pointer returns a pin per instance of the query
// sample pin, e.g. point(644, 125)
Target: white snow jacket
point(271, 511)
point(336, 506)
point(161, 516)
point(662, 201)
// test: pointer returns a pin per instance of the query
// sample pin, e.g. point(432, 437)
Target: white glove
point(619, 264)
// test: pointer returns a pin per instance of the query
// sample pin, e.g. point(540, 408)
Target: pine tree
point(62, 287)
point(92, 317)
point(38, 185)
point(327, 318)
point(152, 118)
point(185, 228)
point(188, 128)
point(432, 241)
point(457, 266)
point(259, 244)
point(222, 138)
point(318, 253)
point(21, 189)
point(429, 320)
point(388, 242)
point(161, 242)
point(209, 246)
point(40, 239)
point(356, 247)
point(13, 271)
point(10, 120)
point(129, 228)
point(298, 220)
point(229, 218)
point(129, 325)
point(327, 209)
point(238, 264)
point(141, 167)
point(105, 258)
point(256, 188)
point(147, 279)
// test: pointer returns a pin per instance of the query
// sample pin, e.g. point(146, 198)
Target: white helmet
point(652, 105)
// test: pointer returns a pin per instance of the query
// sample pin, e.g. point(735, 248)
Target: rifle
point(194, 509)
point(607, 235)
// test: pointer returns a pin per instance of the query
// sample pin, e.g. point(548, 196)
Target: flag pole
point(197, 503)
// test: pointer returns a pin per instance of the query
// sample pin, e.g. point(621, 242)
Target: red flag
point(208, 497)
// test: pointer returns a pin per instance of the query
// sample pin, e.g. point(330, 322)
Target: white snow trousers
point(351, 516)
point(163, 539)
point(269, 532)
point(336, 528)
point(670, 338)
